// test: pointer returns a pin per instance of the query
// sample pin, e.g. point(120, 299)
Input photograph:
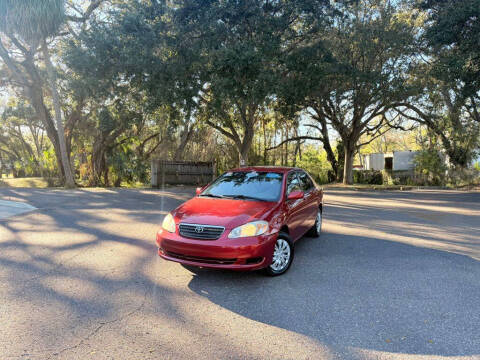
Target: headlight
point(253, 228)
point(168, 223)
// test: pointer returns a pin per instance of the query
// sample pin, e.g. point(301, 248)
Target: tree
point(305, 67)
point(453, 28)
point(34, 22)
point(448, 96)
point(370, 44)
point(451, 115)
point(26, 26)
point(348, 74)
point(133, 48)
point(238, 46)
point(21, 140)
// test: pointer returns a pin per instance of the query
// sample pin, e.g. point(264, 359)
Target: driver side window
point(293, 183)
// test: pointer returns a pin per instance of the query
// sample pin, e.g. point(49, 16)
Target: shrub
point(430, 165)
point(372, 177)
point(463, 176)
point(399, 177)
point(314, 160)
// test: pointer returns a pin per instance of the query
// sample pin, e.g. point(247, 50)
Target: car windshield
point(246, 185)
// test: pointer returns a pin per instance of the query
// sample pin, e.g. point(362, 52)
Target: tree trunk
point(330, 153)
point(35, 95)
point(264, 142)
point(348, 167)
point(326, 143)
point(184, 139)
point(331, 158)
point(106, 180)
point(245, 147)
point(274, 153)
point(243, 159)
point(98, 163)
point(69, 181)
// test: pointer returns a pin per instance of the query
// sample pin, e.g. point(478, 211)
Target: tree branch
point(223, 131)
point(91, 8)
point(11, 65)
point(296, 138)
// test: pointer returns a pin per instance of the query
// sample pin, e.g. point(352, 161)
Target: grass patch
point(33, 182)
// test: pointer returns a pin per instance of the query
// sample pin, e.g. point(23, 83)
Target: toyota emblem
point(199, 229)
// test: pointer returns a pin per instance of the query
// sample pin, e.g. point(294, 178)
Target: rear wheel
point(317, 227)
point(282, 256)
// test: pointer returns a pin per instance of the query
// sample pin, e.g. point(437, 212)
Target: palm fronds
point(31, 19)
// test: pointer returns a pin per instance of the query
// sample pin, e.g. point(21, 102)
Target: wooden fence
point(182, 172)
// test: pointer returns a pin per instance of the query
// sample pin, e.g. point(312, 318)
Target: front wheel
point(282, 256)
point(317, 227)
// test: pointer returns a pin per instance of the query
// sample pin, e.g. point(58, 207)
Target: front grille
point(204, 260)
point(202, 232)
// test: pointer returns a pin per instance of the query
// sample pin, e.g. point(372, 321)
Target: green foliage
point(450, 114)
point(430, 165)
point(21, 140)
point(49, 163)
point(402, 177)
point(449, 84)
point(372, 177)
point(106, 121)
point(237, 64)
point(453, 32)
point(127, 168)
point(361, 56)
point(315, 162)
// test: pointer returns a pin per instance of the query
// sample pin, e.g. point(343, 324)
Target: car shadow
point(354, 293)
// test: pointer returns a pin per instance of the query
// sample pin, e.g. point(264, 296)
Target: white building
point(397, 161)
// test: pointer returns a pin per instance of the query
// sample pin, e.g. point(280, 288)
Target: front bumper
point(249, 253)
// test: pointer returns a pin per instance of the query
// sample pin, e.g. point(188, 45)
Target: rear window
point(248, 185)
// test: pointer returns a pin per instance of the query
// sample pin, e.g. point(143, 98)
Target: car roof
point(277, 169)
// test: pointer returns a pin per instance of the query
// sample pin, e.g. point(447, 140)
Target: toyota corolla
point(247, 219)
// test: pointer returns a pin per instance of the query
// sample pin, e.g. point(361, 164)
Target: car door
point(295, 208)
point(310, 203)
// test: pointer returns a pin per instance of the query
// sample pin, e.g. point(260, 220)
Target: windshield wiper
point(212, 195)
point(244, 197)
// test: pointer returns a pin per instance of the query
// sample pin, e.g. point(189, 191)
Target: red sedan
point(247, 219)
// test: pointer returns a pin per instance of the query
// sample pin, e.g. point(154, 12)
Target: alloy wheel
point(319, 223)
point(281, 255)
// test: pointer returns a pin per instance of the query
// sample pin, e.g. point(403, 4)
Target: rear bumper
point(250, 253)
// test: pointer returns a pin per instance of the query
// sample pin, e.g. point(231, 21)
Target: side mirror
point(198, 190)
point(295, 195)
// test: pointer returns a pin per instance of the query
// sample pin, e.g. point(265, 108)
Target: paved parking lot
point(395, 275)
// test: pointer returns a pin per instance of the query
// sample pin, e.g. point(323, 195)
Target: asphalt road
point(395, 275)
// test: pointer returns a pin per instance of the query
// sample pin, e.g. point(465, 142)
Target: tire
point(316, 230)
point(283, 246)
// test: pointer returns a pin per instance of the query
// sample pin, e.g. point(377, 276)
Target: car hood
point(229, 213)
